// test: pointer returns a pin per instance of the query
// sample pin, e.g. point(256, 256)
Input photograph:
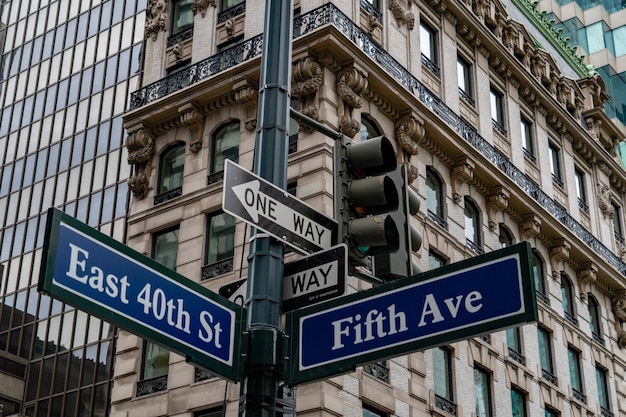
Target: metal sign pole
point(264, 362)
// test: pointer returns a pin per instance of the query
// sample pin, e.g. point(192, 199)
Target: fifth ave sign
point(274, 210)
point(462, 300)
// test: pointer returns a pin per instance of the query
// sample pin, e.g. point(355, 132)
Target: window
point(482, 392)
point(368, 128)
point(603, 391)
point(154, 369)
point(514, 344)
point(526, 129)
point(567, 298)
point(540, 283)
point(227, 4)
point(369, 411)
point(165, 248)
point(575, 375)
point(428, 46)
point(497, 110)
point(551, 412)
point(225, 146)
point(435, 260)
point(545, 355)
point(594, 319)
point(213, 412)
point(444, 384)
point(220, 245)
point(555, 164)
point(506, 237)
point(464, 75)
point(581, 193)
point(172, 166)
point(472, 226)
point(435, 198)
point(518, 403)
point(182, 16)
point(617, 223)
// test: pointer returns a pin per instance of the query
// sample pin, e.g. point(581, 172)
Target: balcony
point(378, 370)
point(150, 386)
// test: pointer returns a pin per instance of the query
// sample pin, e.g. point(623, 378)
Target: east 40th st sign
point(462, 300)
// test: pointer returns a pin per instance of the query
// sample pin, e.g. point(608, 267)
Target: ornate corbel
point(558, 252)
point(462, 173)
point(192, 117)
point(351, 82)
point(587, 274)
point(156, 18)
point(201, 6)
point(248, 97)
point(621, 339)
point(498, 201)
point(619, 305)
point(409, 133)
point(402, 16)
point(307, 79)
point(530, 226)
point(604, 201)
point(140, 145)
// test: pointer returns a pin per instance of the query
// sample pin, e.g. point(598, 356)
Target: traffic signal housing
point(365, 197)
point(399, 264)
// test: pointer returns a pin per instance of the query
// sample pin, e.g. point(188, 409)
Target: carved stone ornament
point(409, 132)
point(402, 16)
point(586, 275)
point(156, 18)
point(307, 79)
point(621, 339)
point(191, 117)
point(462, 173)
point(559, 251)
point(530, 226)
point(248, 97)
point(351, 82)
point(498, 201)
point(202, 6)
point(140, 145)
point(619, 305)
point(604, 202)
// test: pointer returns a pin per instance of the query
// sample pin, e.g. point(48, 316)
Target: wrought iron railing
point(330, 15)
point(549, 376)
point(150, 386)
point(599, 339)
point(432, 67)
point(498, 126)
point(438, 219)
point(217, 268)
point(234, 11)
point(474, 246)
point(528, 154)
point(168, 195)
point(378, 370)
point(369, 7)
point(465, 96)
point(579, 396)
point(180, 36)
point(445, 405)
point(541, 296)
point(571, 318)
point(202, 375)
point(516, 356)
point(605, 412)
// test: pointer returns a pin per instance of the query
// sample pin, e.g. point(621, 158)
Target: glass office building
point(67, 68)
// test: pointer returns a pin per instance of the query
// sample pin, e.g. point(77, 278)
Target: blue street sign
point(462, 300)
point(99, 275)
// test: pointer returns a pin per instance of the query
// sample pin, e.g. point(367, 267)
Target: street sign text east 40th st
point(103, 277)
point(462, 300)
point(272, 209)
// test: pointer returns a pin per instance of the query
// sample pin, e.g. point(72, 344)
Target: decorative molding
point(462, 173)
point(156, 18)
point(308, 76)
point(619, 305)
point(530, 226)
point(559, 251)
point(409, 133)
point(140, 145)
point(248, 97)
point(201, 6)
point(192, 117)
point(351, 82)
point(604, 201)
point(498, 201)
point(587, 275)
point(402, 16)
point(621, 339)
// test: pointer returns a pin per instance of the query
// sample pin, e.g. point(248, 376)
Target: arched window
point(538, 274)
point(594, 319)
point(472, 225)
point(369, 128)
point(567, 294)
point(225, 145)
point(172, 166)
point(435, 197)
point(505, 237)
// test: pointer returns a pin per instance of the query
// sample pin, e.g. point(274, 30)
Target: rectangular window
point(464, 75)
point(526, 128)
point(482, 392)
point(220, 245)
point(518, 403)
point(497, 110)
point(617, 223)
point(444, 384)
point(165, 248)
point(369, 411)
point(551, 412)
point(213, 412)
point(545, 354)
point(603, 391)
point(428, 47)
point(581, 193)
point(555, 164)
point(576, 380)
point(435, 260)
point(514, 344)
point(182, 16)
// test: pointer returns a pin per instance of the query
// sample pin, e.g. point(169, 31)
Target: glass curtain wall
point(66, 70)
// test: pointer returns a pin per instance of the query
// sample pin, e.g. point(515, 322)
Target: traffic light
point(399, 264)
point(364, 198)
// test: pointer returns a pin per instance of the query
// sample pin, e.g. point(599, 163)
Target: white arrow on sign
point(257, 203)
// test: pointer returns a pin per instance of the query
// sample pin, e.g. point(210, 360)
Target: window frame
point(514, 344)
point(176, 11)
point(147, 363)
point(618, 228)
point(568, 298)
point(498, 113)
point(171, 191)
point(434, 254)
point(505, 236)
point(155, 244)
point(476, 242)
point(523, 398)
point(576, 374)
point(546, 358)
point(437, 191)
point(217, 159)
point(429, 41)
point(604, 400)
point(488, 404)
point(464, 73)
point(539, 277)
point(223, 262)
point(444, 400)
point(595, 322)
point(556, 170)
point(528, 137)
point(581, 189)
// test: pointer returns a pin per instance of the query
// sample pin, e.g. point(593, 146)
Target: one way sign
point(272, 209)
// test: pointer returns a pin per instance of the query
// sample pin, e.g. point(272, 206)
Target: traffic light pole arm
point(312, 123)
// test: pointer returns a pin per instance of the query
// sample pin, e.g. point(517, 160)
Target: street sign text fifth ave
point(272, 209)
